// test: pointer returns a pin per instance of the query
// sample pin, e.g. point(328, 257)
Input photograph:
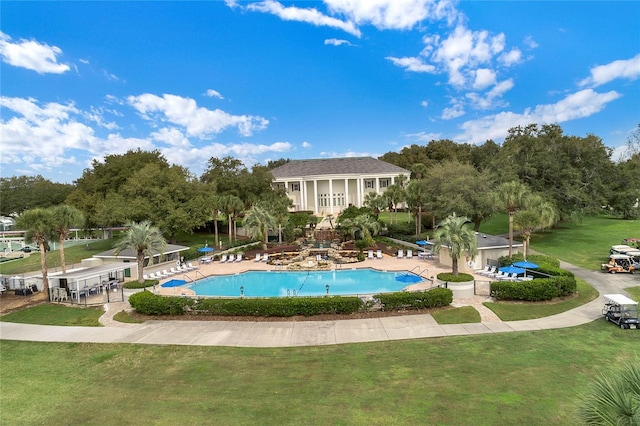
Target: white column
point(359, 189)
point(315, 195)
point(330, 196)
point(303, 196)
point(377, 185)
point(346, 192)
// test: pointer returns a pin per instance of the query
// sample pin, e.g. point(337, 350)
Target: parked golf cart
point(619, 263)
point(620, 249)
point(621, 310)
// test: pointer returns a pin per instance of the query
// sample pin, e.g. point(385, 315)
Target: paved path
point(313, 333)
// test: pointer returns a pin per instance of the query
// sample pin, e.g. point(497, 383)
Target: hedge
point(535, 290)
point(136, 285)
point(148, 303)
point(435, 298)
point(450, 278)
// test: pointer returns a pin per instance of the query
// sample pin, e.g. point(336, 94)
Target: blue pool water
point(311, 283)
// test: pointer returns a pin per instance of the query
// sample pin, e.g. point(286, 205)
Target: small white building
point(490, 249)
point(330, 185)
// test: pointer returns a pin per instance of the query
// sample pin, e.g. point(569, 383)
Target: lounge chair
point(400, 254)
point(265, 257)
point(145, 277)
point(409, 254)
point(482, 271)
point(223, 259)
point(239, 257)
point(379, 254)
point(370, 255)
point(165, 273)
point(232, 258)
point(173, 271)
point(192, 267)
point(258, 258)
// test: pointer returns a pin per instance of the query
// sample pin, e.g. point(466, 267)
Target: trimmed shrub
point(135, 284)
point(148, 303)
point(539, 259)
point(449, 277)
point(434, 298)
point(535, 290)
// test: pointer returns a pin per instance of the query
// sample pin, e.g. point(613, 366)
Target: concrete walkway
point(313, 333)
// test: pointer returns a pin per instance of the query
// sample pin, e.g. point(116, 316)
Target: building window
point(384, 183)
point(295, 187)
point(369, 183)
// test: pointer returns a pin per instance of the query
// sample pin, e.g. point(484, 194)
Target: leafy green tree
point(375, 202)
point(512, 196)
point(257, 222)
point(613, 398)
point(39, 225)
point(393, 196)
point(64, 218)
point(417, 198)
point(144, 239)
point(20, 193)
point(454, 233)
point(361, 228)
point(536, 213)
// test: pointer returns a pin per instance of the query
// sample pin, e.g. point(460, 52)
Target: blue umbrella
point(205, 249)
point(526, 264)
point(511, 270)
point(422, 242)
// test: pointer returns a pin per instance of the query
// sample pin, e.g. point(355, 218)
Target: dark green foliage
point(144, 284)
point(535, 290)
point(28, 192)
point(449, 277)
point(438, 297)
point(148, 303)
point(402, 230)
point(352, 212)
point(539, 259)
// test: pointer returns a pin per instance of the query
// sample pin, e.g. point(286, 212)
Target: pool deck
point(427, 268)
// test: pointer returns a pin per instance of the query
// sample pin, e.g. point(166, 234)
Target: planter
point(461, 290)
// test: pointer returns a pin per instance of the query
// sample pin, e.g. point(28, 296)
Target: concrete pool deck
point(313, 333)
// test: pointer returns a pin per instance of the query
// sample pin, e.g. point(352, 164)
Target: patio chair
point(192, 267)
point(409, 254)
point(482, 271)
point(400, 254)
point(379, 254)
point(239, 257)
point(370, 255)
point(166, 273)
point(232, 258)
point(173, 270)
point(265, 257)
point(258, 257)
point(145, 277)
point(223, 259)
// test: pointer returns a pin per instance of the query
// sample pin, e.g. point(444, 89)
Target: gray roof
point(129, 254)
point(336, 166)
point(486, 241)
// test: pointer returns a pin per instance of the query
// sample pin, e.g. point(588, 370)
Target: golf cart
point(618, 263)
point(621, 310)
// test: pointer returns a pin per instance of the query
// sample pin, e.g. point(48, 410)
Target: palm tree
point(231, 205)
point(613, 399)
point(64, 217)
point(214, 203)
point(394, 195)
point(416, 198)
point(375, 202)
point(454, 233)
point(257, 222)
point(512, 196)
point(38, 224)
point(362, 228)
point(144, 239)
point(537, 214)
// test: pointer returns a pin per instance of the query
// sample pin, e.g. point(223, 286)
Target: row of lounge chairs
point(181, 269)
point(495, 274)
point(261, 258)
point(231, 258)
point(377, 256)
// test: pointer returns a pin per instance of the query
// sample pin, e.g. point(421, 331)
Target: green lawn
point(511, 378)
point(462, 315)
point(50, 314)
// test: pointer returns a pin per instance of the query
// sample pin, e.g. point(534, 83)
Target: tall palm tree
point(38, 224)
point(144, 239)
point(214, 203)
point(538, 213)
point(416, 198)
point(258, 221)
point(454, 233)
point(375, 202)
point(613, 399)
point(394, 195)
point(231, 205)
point(512, 196)
point(65, 217)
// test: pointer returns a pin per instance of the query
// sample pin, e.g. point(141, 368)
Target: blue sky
point(265, 80)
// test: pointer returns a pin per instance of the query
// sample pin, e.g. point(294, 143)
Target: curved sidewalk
point(311, 333)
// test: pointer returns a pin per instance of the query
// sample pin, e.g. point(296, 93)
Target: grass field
point(49, 314)
point(512, 378)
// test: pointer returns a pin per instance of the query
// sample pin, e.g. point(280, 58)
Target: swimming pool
point(307, 283)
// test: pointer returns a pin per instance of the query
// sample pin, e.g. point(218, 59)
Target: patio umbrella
point(512, 270)
point(526, 264)
point(205, 249)
point(422, 242)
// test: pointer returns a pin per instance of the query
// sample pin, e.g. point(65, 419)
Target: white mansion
point(327, 186)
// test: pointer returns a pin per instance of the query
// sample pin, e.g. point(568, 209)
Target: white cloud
point(514, 56)
point(306, 145)
point(424, 104)
point(394, 14)
point(171, 136)
point(32, 55)
point(348, 153)
point(530, 42)
point(412, 64)
point(198, 121)
point(484, 78)
point(336, 42)
point(602, 74)
point(423, 137)
point(491, 98)
point(310, 16)
point(576, 105)
point(455, 111)
point(213, 94)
